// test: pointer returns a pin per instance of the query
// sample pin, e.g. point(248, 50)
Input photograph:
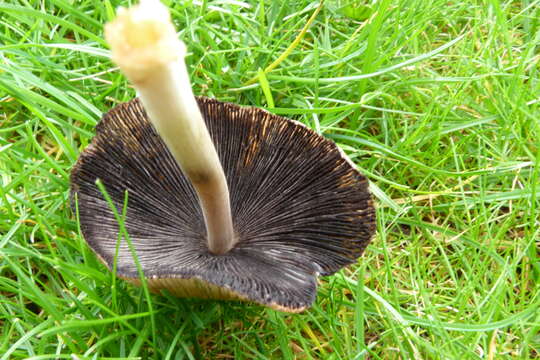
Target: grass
point(436, 102)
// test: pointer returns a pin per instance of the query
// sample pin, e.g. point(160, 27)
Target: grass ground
point(437, 102)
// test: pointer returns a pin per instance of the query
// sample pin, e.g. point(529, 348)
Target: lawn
point(436, 102)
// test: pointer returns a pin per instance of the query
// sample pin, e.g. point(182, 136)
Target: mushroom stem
point(145, 46)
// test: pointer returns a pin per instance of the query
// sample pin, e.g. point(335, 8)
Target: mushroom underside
point(299, 208)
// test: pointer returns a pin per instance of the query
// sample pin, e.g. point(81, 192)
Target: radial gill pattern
point(299, 207)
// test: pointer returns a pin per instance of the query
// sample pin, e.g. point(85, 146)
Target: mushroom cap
point(300, 208)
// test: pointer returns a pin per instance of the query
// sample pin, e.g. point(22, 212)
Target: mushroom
point(224, 201)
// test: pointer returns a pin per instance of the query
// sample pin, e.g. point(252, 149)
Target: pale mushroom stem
point(145, 46)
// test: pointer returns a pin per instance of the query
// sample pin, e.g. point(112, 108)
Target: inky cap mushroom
point(282, 204)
